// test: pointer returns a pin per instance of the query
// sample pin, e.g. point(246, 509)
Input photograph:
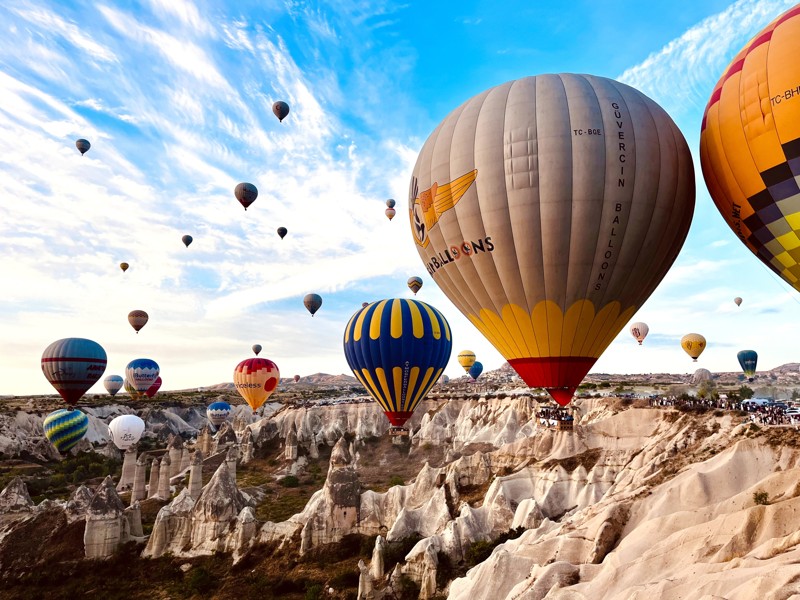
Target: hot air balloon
point(397, 349)
point(592, 171)
point(153, 389)
point(296, 378)
point(256, 349)
point(113, 384)
point(124, 266)
point(693, 344)
point(65, 428)
point(444, 379)
point(390, 213)
point(246, 194)
point(475, 370)
point(639, 331)
point(466, 358)
point(141, 373)
point(82, 145)
point(125, 430)
point(414, 284)
point(748, 360)
point(132, 391)
point(281, 110)
point(737, 301)
point(137, 319)
point(390, 203)
point(187, 239)
point(282, 231)
point(72, 366)
point(312, 302)
point(217, 412)
point(256, 379)
point(364, 304)
point(750, 146)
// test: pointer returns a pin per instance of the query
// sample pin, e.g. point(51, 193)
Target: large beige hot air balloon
point(548, 209)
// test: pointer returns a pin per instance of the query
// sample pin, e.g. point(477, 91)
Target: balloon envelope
point(72, 366)
point(82, 145)
point(153, 389)
point(475, 370)
point(748, 360)
point(737, 301)
point(256, 349)
point(187, 239)
point(65, 428)
point(125, 430)
point(282, 231)
point(639, 331)
point(296, 378)
point(124, 266)
point(415, 284)
point(390, 203)
point(256, 379)
point(141, 373)
point(397, 349)
point(693, 344)
point(113, 384)
point(246, 194)
point(312, 302)
point(390, 213)
point(547, 210)
point(280, 109)
point(466, 358)
point(217, 412)
point(750, 146)
point(137, 319)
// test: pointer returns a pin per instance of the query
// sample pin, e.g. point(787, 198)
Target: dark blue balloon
point(475, 370)
point(748, 360)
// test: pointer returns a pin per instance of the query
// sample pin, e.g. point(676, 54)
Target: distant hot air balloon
point(282, 231)
point(748, 360)
point(363, 304)
point(414, 284)
point(125, 430)
point(256, 379)
point(475, 370)
point(113, 384)
point(65, 428)
point(750, 146)
point(141, 373)
point(390, 213)
point(246, 194)
point(737, 301)
point(390, 203)
point(137, 319)
point(187, 239)
point(312, 302)
point(82, 145)
point(444, 379)
point(256, 349)
point(397, 349)
point(639, 331)
point(693, 344)
point(132, 391)
point(595, 173)
point(72, 366)
point(701, 375)
point(296, 378)
point(466, 358)
point(217, 412)
point(281, 110)
point(124, 266)
point(153, 389)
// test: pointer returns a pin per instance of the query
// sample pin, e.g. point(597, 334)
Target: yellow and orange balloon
point(750, 146)
point(256, 379)
point(693, 344)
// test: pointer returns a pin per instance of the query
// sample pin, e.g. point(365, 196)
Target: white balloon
point(125, 430)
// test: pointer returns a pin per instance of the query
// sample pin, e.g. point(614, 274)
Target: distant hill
point(315, 379)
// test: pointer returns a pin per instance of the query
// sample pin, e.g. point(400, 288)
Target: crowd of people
point(552, 417)
point(761, 412)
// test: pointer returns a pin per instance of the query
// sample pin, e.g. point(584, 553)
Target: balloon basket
point(398, 431)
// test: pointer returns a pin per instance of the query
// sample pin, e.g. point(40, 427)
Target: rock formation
point(175, 450)
point(139, 492)
point(173, 526)
point(219, 503)
point(205, 441)
point(78, 504)
point(128, 470)
point(225, 438)
point(290, 452)
point(196, 475)
point(15, 497)
point(164, 492)
point(106, 526)
point(155, 470)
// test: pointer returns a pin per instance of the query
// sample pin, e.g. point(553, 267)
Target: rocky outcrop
point(78, 504)
point(164, 491)
point(15, 497)
point(219, 503)
point(196, 475)
point(106, 526)
point(139, 491)
point(172, 529)
point(155, 470)
point(128, 470)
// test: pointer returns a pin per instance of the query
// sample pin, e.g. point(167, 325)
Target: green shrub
point(290, 481)
point(396, 480)
point(313, 591)
point(200, 581)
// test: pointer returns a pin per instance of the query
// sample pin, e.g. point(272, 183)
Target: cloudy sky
point(175, 97)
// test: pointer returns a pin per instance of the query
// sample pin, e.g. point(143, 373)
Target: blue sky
point(176, 98)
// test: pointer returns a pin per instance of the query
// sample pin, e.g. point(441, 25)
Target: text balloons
point(246, 194)
point(72, 366)
point(65, 428)
point(141, 373)
point(113, 384)
point(256, 379)
point(187, 239)
point(693, 344)
point(750, 146)
point(138, 319)
point(397, 349)
point(82, 145)
point(639, 331)
point(415, 284)
point(748, 360)
point(125, 430)
point(281, 110)
point(312, 302)
point(547, 210)
point(217, 412)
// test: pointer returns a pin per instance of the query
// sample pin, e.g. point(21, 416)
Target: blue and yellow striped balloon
point(65, 428)
point(397, 349)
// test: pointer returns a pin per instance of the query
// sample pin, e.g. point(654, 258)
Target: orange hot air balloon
point(137, 319)
point(693, 344)
point(750, 146)
point(256, 379)
point(547, 210)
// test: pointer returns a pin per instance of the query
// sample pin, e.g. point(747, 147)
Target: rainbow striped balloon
point(397, 349)
point(65, 428)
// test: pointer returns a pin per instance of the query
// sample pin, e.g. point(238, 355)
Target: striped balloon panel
point(217, 412)
point(397, 349)
point(65, 428)
point(73, 365)
point(142, 373)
